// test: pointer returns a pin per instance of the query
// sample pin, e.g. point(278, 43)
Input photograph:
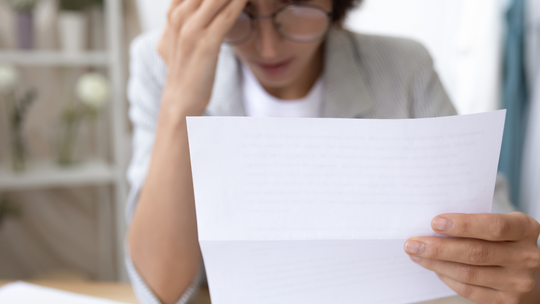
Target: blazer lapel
point(348, 93)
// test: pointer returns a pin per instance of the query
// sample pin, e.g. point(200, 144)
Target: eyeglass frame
point(252, 18)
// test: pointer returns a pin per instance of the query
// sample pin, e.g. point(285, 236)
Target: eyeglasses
point(298, 23)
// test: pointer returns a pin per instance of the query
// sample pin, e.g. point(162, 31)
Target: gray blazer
point(366, 77)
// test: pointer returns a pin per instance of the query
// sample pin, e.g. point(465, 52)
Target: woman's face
point(275, 61)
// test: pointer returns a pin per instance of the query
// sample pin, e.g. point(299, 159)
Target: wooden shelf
point(54, 58)
point(50, 175)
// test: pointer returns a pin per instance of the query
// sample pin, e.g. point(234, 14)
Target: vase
point(25, 30)
point(18, 148)
point(16, 110)
point(73, 29)
point(67, 138)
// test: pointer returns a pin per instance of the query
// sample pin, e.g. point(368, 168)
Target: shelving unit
point(48, 175)
point(100, 173)
point(40, 58)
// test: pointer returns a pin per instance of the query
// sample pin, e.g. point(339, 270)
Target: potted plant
point(25, 22)
point(17, 107)
point(73, 24)
point(7, 210)
point(92, 89)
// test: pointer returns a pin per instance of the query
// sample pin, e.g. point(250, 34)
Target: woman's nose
point(267, 38)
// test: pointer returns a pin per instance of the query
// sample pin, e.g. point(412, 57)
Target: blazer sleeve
point(429, 99)
point(148, 74)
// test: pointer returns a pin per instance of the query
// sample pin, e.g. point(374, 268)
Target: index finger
point(486, 226)
point(171, 8)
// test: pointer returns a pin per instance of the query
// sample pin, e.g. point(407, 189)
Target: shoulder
point(147, 78)
point(399, 55)
point(145, 59)
point(400, 75)
point(145, 44)
point(394, 48)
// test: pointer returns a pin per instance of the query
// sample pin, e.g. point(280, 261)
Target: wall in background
point(152, 13)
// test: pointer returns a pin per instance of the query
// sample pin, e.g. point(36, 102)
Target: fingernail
point(413, 247)
point(442, 224)
point(415, 258)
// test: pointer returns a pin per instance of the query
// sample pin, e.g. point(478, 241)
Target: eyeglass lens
point(296, 23)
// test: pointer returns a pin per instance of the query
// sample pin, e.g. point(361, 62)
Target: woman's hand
point(491, 258)
point(190, 46)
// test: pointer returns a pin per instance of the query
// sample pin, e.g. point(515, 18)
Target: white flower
point(9, 76)
point(93, 90)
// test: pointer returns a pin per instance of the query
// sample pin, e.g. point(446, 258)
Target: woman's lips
point(275, 68)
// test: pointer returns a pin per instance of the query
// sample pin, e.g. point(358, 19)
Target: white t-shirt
point(259, 103)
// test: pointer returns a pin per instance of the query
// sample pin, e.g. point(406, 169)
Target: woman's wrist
point(182, 101)
point(173, 117)
point(173, 113)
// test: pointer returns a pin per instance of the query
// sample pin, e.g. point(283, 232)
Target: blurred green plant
point(17, 108)
point(92, 90)
point(22, 5)
point(78, 5)
point(8, 210)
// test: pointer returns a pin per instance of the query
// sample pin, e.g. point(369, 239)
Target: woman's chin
point(275, 81)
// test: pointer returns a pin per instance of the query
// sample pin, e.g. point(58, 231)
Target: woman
point(286, 58)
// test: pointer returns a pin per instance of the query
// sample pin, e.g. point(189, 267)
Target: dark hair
point(340, 8)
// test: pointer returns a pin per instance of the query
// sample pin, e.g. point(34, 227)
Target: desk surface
point(122, 292)
point(107, 290)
